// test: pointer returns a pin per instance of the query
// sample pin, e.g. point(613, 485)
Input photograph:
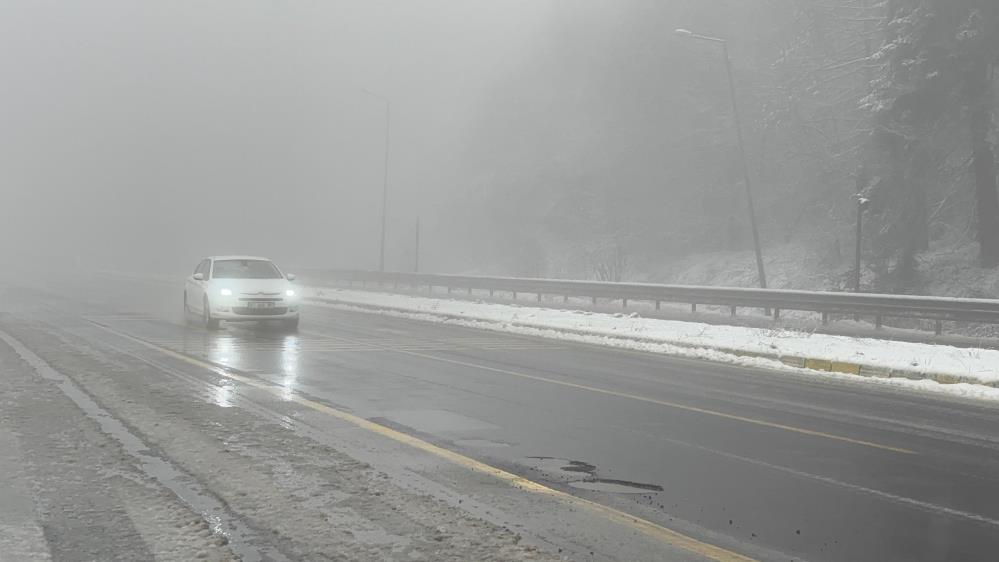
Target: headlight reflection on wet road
point(222, 351)
point(233, 350)
point(289, 366)
point(224, 394)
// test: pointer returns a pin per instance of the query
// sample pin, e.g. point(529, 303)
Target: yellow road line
point(653, 530)
point(676, 405)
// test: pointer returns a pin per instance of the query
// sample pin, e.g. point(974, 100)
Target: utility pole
point(385, 173)
point(761, 273)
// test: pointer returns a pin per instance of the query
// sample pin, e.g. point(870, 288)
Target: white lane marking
point(647, 399)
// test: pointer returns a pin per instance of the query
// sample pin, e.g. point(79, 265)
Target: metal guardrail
point(938, 309)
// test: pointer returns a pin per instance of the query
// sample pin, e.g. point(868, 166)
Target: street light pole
point(761, 273)
point(861, 205)
point(388, 122)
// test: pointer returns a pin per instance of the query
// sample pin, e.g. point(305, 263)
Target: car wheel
point(291, 324)
point(210, 323)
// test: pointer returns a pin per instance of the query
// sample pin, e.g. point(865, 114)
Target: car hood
point(253, 286)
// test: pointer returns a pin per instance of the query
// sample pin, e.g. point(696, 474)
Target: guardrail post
point(491, 293)
point(658, 305)
point(539, 297)
point(449, 289)
point(877, 322)
point(469, 290)
point(825, 318)
point(565, 299)
point(776, 314)
point(938, 327)
point(693, 308)
point(733, 311)
point(594, 301)
point(515, 295)
point(624, 303)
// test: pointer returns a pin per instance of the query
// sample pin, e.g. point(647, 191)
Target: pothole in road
point(569, 471)
point(579, 466)
point(615, 486)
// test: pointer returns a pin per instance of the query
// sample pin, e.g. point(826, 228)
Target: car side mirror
point(199, 276)
point(291, 276)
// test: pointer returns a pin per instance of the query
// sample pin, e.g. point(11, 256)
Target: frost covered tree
point(816, 128)
point(932, 109)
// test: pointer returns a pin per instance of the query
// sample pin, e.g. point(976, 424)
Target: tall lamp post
point(388, 121)
point(742, 148)
point(862, 203)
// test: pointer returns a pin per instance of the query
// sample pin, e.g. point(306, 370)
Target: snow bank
point(707, 341)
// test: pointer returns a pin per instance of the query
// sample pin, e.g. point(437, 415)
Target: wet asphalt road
point(770, 465)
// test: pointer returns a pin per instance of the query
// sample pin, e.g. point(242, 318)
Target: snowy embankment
point(962, 371)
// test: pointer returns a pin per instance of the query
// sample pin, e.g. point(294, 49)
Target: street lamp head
point(376, 95)
point(688, 34)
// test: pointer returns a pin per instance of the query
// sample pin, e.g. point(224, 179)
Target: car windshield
point(245, 269)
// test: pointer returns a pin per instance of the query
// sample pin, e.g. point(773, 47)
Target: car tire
point(290, 325)
point(210, 323)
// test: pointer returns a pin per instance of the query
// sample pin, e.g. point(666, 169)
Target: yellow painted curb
point(848, 368)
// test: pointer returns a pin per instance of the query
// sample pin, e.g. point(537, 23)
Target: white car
point(241, 288)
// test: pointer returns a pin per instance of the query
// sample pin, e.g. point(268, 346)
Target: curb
point(812, 363)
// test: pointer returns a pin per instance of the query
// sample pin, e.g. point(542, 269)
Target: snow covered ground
point(891, 362)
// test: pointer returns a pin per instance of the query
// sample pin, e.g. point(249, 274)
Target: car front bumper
point(238, 312)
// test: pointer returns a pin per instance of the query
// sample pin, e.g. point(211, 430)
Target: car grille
point(246, 299)
point(247, 311)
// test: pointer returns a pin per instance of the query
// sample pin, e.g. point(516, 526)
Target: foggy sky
point(149, 134)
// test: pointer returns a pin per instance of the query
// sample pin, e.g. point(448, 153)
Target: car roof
point(237, 258)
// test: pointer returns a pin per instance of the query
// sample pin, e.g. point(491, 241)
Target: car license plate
point(261, 305)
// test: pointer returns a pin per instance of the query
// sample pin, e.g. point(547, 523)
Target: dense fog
point(142, 134)
point(558, 138)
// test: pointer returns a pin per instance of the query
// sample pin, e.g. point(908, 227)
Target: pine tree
point(937, 85)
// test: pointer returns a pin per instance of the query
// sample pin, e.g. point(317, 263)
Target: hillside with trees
point(611, 152)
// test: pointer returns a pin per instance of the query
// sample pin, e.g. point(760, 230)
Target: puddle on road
point(242, 540)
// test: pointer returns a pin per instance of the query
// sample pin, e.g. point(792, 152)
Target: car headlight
point(226, 292)
point(290, 292)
